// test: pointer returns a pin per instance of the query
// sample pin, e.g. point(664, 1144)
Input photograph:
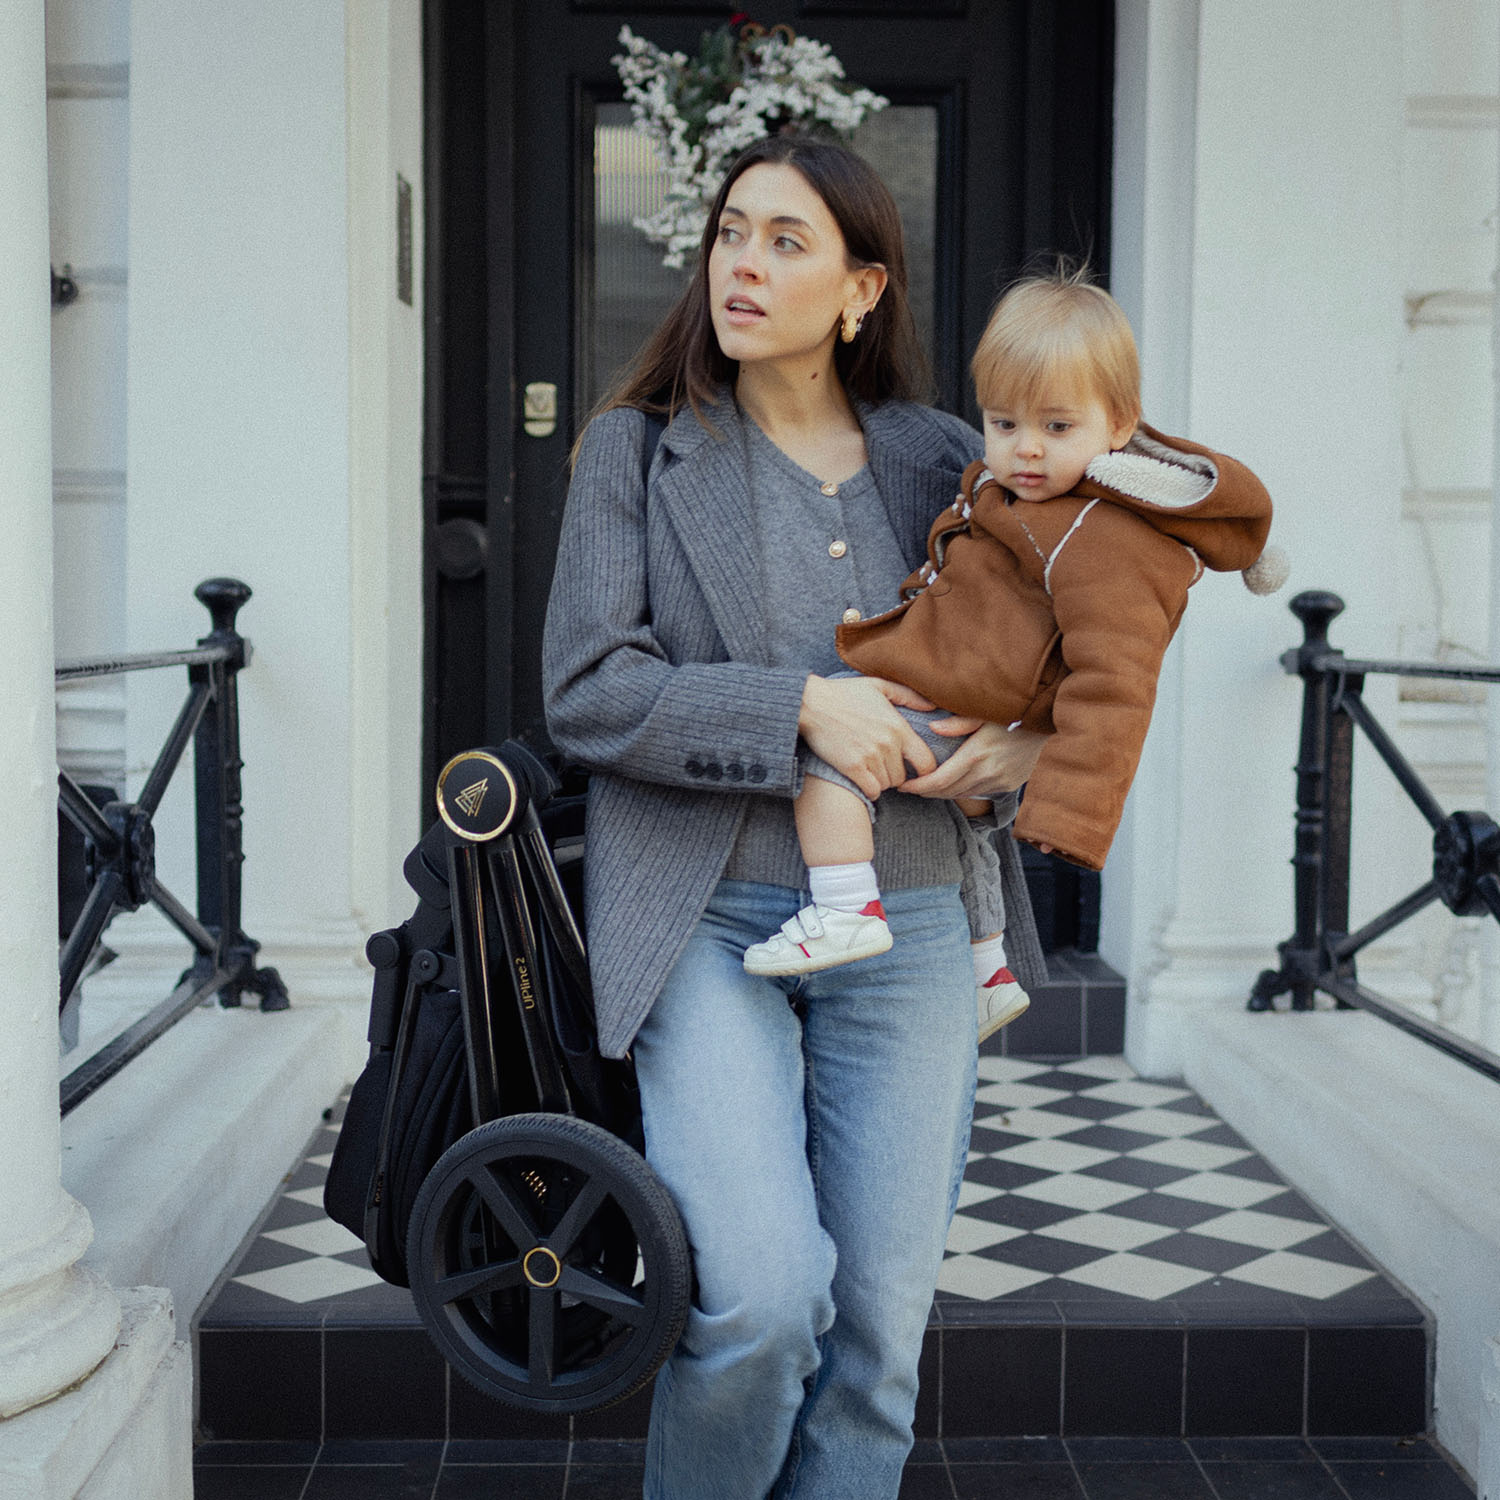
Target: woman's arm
point(614, 700)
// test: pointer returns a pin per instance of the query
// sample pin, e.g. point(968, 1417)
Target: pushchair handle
point(482, 793)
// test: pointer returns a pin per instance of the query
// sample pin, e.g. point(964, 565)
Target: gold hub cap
point(542, 1268)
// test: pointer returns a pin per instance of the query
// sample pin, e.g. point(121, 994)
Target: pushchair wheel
point(548, 1263)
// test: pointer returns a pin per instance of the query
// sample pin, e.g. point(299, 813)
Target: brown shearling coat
point(1055, 616)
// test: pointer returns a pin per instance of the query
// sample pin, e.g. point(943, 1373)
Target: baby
point(1051, 590)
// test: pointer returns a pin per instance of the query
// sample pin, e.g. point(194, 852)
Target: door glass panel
point(901, 143)
point(630, 290)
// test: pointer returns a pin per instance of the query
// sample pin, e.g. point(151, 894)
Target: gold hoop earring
point(851, 327)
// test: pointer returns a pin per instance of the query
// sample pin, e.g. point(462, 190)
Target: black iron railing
point(119, 843)
point(1320, 953)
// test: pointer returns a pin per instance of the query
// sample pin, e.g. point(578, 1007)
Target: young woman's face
point(1040, 451)
point(779, 279)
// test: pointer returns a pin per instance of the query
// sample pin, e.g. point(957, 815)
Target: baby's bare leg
point(833, 824)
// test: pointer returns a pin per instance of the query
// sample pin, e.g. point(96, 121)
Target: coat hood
point(1206, 500)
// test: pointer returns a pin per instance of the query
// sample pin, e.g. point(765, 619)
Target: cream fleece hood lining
point(1155, 474)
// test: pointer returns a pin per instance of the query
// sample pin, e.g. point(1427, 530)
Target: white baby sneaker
point(819, 937)
point(1000, 1002)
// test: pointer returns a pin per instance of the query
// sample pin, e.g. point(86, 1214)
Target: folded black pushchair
point(489, 1156)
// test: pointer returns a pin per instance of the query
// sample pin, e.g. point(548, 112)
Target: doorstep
point(1122, 1264)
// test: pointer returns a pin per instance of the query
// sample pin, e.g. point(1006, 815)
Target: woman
point(812, 1130)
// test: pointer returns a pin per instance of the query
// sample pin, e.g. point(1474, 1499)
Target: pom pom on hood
point(1268, 572)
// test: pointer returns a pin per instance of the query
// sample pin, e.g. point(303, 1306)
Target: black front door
point(996, 143)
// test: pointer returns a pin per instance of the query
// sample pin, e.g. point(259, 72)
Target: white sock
point(989, 958)
point(843, 887)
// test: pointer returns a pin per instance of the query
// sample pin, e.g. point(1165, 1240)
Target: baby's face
point(1040, 452)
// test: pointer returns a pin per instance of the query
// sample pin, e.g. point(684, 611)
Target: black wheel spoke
point(548, 1264)
point(542, 1338)
point(503, 1202)
point(591, 1198)
point(478, 1282)
point(608, 1296)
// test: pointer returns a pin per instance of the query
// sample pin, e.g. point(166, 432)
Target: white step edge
point(1398, 1144)
point(179, 1154)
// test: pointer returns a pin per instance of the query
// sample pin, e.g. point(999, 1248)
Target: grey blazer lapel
point(705, 493)
point(914, 469)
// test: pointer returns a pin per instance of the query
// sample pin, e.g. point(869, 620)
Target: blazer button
point(851, 616)
point(713, 770)
point(837, 549)
point(693, 767)
point(735, 771)
point(756, 773)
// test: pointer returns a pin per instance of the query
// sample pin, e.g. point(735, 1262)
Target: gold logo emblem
point(459, 807)
point(471, 799)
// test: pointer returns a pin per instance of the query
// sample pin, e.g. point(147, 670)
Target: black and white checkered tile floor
point(1085, 1184)
point(1122, 1264)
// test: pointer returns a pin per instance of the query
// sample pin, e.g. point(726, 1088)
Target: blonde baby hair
point(1058, 331)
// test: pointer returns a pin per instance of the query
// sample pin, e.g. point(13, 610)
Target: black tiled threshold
point(1122, 1265)
point(955, 1469)
point(1079, 1010)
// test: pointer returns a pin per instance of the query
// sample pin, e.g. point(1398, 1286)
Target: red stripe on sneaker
point(873, 909)
point(805, 953)
point(1000, 976)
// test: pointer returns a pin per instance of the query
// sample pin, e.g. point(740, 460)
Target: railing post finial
point(223, 598)
point(1317, 609)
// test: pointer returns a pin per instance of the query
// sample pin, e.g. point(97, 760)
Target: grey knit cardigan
point(656, 676)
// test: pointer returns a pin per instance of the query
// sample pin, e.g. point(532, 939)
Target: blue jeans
point(817, 1165)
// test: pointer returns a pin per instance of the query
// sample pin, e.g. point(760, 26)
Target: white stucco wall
point(238, 415)
point(274, 399)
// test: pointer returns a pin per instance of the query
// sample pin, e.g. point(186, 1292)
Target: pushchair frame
point(545, 1259)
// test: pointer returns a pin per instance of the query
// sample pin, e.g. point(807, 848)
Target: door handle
point(539, 409)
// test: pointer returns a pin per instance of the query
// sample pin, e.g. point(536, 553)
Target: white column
point(57, 1322)
point(1489, 1032)
point(1296, 334)
point(1151, 275)
point(1487, 1475)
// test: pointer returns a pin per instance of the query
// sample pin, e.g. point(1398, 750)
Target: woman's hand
point(850, 723)
point(992, 760)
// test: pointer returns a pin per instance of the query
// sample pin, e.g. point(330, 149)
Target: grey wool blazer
point(656, 674)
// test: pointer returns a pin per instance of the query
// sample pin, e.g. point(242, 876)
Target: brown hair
point(1058, 329)
point(682, 364)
